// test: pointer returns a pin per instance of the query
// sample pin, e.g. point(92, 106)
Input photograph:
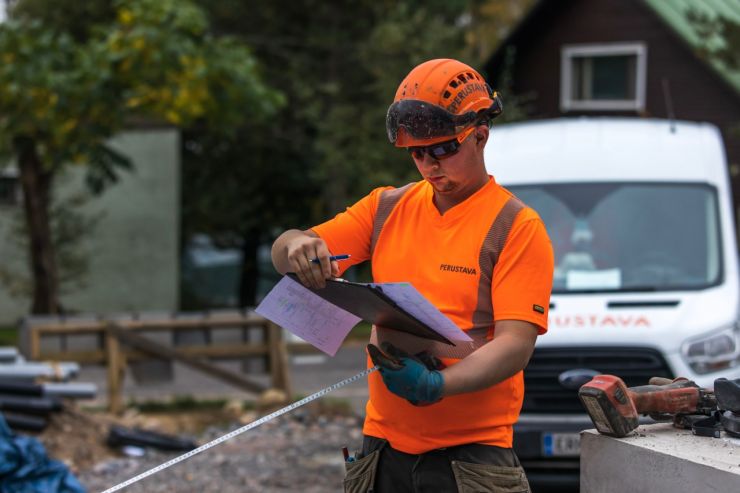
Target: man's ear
point(481, 135)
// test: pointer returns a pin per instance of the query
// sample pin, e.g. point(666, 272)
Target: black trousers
point(476, 467)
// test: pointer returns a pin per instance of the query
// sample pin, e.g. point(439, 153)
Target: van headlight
point(712, 352)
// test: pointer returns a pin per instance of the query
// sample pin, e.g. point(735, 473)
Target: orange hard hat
point(438, 100)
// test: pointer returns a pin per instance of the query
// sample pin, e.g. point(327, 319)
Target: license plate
point(561, 444)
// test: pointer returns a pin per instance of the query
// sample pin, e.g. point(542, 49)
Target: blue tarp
point(25, 467)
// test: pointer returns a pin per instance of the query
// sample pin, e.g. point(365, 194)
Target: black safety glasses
point(439, 151)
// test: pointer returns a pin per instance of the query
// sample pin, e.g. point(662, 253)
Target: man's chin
point(443, 186)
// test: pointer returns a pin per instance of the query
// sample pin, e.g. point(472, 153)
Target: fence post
point(115, 371)
point(34, 342)
point(278, 352)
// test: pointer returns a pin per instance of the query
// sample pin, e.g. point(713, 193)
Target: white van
point(646, 281)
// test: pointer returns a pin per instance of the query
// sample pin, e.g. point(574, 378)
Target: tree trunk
point(250, 269)
point(36, 183)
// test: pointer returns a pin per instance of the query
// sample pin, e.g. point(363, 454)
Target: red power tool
point(614, 408)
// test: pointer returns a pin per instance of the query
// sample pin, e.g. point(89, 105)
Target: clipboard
point(371, 305)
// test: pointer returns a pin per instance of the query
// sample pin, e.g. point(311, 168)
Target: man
point(441, 420)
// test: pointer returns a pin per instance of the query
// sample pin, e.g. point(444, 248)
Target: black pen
point(333, 257)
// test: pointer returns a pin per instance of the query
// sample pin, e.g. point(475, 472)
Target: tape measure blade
point(241, 430)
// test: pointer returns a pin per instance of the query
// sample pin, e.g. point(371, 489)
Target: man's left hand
point(407, 376)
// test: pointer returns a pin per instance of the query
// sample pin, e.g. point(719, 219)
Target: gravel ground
point(299, 451)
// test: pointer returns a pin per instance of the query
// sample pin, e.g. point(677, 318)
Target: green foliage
point(72, 16)
point(66, 87)
point(720, 37)
point(178, 403)
point(404, 36)
point(71, 231)
point(517, 107)
point(8, 336)
point(339, 64)
point(156, 60)
point(720, 43)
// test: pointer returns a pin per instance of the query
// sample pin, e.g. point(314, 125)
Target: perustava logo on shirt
point(458, 268)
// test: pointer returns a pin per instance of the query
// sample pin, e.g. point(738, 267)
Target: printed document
point(295, 308)
point(325, 325)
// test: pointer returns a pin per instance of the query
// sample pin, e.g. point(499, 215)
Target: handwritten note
point(324, 325)
point(407, 297)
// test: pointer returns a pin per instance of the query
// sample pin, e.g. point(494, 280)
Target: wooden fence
point(124, 341)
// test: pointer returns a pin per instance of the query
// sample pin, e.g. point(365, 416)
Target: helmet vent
point(446, 95)
point(462, 78)
point(453, 83)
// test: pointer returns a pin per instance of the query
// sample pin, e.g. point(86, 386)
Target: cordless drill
point(614, 408)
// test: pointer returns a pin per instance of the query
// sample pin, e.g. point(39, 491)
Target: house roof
point(674, 14)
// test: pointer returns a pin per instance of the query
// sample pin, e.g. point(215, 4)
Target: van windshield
point(611, 237)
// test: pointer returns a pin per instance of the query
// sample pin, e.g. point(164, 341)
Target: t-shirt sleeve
point(349, 232)
point(522, 278)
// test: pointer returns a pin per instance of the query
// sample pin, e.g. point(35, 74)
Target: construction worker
point(440, 417)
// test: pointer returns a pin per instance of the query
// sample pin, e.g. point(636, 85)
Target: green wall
point(133, 253)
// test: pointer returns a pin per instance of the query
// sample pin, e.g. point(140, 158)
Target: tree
point(71, 230)
point(63, 96)
point(489, 22)
point(339, 64)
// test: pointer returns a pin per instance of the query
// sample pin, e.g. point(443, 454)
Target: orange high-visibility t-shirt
point(439, 255)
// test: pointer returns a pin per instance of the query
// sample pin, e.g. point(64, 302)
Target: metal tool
point(728, 401)
point(614, 408)
point(241, 430)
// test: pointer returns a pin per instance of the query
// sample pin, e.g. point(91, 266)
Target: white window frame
point(568, 52)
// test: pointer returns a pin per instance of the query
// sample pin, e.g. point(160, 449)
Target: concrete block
point(659, 458)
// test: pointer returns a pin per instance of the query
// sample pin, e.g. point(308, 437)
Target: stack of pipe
point(31, 391)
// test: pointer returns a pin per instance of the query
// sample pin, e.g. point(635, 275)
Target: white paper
point(294, 307)
point(594, 279)
point(407, 297)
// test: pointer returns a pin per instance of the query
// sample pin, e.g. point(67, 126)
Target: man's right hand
point(293, 252)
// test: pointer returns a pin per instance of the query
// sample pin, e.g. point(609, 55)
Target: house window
point(603, 77)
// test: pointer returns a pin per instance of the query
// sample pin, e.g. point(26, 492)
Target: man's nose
point(429, 160)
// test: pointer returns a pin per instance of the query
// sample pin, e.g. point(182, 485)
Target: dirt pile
point(77, 437)
point(295, 452)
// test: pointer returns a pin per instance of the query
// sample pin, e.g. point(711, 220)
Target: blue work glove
point(415, 378)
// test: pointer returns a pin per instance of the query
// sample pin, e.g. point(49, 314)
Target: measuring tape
point(241, 430)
